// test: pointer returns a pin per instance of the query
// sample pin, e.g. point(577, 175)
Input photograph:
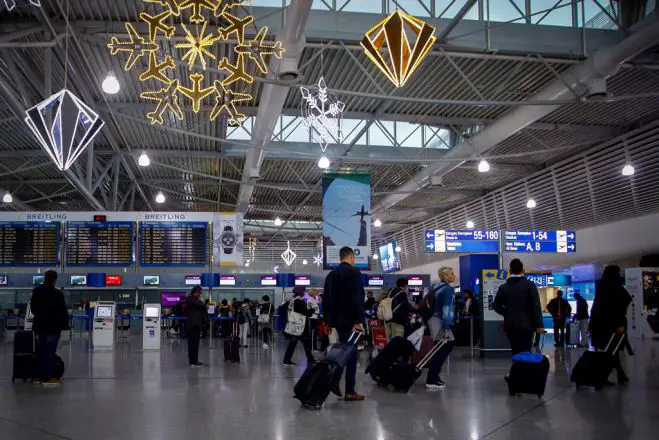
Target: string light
point(144, 160)
point(160, 197)
point(288, 256)
point(196, 47)
point(322, 114)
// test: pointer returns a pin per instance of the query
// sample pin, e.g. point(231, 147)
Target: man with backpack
point(395, 308)
point(438, 311)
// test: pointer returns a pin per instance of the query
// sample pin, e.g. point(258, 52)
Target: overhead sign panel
point(540, 241)
point(456, 240)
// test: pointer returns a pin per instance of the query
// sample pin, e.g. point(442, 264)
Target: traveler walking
point(265, 320)
point(560, 310)
point(298, 305)
point(244, 321)
point(343, 310)
point(519, 303)
point(225, 323)
point(195, 319)
point(400, 308)
point(609, 314)
point(582, 318)
point(51, 316)
point(440, 325)
point(313, 302)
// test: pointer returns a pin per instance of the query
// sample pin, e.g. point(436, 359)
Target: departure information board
point(26, 244)
point(173, 244)
point(467, 240)
point(540, 241)
point(102, 244)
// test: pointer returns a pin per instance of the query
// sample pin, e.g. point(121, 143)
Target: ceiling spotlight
point(470, 224)
point(278, 221)
point(323, 163)
point(531, 204)
point(144, 160)
point(7, 198)
point(375, 256)
point(304, 262)
point(111, 85)
point(483, 166)
point(398, 249)
point(377, 223)
point(628, 170)
point(160, 198)
point(247, 263)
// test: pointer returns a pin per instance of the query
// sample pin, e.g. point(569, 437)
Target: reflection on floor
point(130, 394)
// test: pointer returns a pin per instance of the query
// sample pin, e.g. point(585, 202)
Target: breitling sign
point(398, 44)
point(198, 50)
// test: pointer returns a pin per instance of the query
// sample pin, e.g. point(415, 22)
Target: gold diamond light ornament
point(398, 44)
point(194, 19)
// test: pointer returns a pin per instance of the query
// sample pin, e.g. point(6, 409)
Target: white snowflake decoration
point(288, 256)
point(322, 114)
point(318, 260)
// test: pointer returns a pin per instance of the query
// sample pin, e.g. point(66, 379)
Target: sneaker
point(51, 383)
point(266, 346)
point(354, 397)
point(435, 386)
point(289, 364)
point(197, 365)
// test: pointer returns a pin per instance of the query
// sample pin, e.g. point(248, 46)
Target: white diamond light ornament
point(322, 114)
point(11, 4)
point(64, 126)
point(288, 256)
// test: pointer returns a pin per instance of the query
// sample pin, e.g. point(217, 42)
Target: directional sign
point(468, 240)
point(540, 241)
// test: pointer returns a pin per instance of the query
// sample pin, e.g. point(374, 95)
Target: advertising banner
point(228, 239)
point(346, 218)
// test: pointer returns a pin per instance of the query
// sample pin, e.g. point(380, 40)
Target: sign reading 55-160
point(456, 240)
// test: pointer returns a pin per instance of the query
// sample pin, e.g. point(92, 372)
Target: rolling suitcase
point(398, 348)
point(572, 333)
point(403, 375)
point(528, 375)
point(320, 378)
point(232, 346)
point(594, 367)
point(427, 344)
point(58, 367)
point(24, 361)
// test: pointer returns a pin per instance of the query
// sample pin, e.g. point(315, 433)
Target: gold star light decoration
point(192, 20)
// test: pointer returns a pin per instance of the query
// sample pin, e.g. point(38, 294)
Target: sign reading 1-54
point(540, 241)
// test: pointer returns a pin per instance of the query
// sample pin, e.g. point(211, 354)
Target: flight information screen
point(25, 244)
point(173, 244)
point(99, 244)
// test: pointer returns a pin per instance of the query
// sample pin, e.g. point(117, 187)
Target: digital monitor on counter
point(227, 280)
point(113, 280)
point(302, 280)
point(152, 280)
point(415, 281)
point(269, 280)
point(170, 299)
point(376, 280)
point(151, 312)
point(192, 280)
point(37, 279)
point(78, 280)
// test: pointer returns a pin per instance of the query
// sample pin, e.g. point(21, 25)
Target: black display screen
point(173, 244)
point(99, 244)
point(26, 244)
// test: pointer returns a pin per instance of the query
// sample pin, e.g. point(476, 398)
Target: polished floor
point(131, 394)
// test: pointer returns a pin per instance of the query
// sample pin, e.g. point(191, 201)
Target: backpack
point(427, 307)
point(385, 311)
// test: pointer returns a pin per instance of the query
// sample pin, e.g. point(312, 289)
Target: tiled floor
point(138, 395)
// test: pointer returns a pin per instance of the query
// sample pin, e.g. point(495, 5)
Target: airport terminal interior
point(192, 187)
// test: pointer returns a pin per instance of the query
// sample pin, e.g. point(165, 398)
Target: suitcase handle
point(354, 339)
point(622, 338)
point(422, 363)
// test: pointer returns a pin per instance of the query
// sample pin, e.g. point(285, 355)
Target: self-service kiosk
point(103, 332)
point(151, 331)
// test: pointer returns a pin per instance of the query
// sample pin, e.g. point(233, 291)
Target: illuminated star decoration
point(11, 4)
point(318, 260)
point(322, 114)
point(197, 51)
point(402, 56)
point(196, 47)
point(288, 256)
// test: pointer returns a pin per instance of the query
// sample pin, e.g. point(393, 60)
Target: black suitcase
point(403, 375)
point(232, 347)
point(594, 367)
point(58, 367)
point(397, 349)
point(528, 377)
point(24, 361)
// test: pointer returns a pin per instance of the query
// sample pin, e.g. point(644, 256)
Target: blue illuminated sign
point(468, 240)
point(540, 241)
point(544, 280)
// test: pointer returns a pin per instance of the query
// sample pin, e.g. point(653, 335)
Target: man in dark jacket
point(195, 319)
point(50, 317)
point(519, 303)
point(343, 309)
point(400, 306)
point(582, 317)
point(560, 310)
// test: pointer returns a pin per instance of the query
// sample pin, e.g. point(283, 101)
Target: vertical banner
point(228, 239)
point(346, 218)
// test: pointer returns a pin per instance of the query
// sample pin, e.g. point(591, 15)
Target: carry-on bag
point(232, 346)
point(427, 344)
point(24, 360)
point(594, 367)
point(399, 348)
point(320, 378)
point(528, 375)
point(402, 375)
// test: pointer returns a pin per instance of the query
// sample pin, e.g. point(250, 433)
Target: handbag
point(296, 322)
point(264, 318)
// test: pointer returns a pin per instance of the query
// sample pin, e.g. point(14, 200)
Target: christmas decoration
point(197, 52)
point(318, 260)
point(64, 126)
point(11, 4)
point(402, 56)
point(288, 256)
point(322, 114)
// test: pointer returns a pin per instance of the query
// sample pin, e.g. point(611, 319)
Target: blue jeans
point(47, 348)
point(351, 366)
point(437, 362)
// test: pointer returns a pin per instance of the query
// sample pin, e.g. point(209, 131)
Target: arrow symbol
point(276, 269)
point(430, 246)
point(429, 234)
point(571, 236)
point(571, 247)
point(489, 275)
